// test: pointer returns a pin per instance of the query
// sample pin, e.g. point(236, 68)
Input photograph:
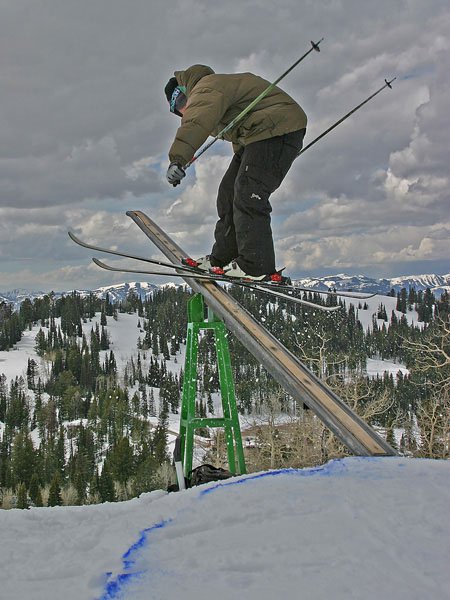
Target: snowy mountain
point(120, 291)
point(16, 297)
point(117, 292)
point(438, 284)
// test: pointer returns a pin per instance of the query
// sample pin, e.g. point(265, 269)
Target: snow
point(356, 528)
point(377, 366)
point(123, 334)
point(365, 316)
point(13, 363)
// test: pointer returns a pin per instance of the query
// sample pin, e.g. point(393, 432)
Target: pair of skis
point(280, 291)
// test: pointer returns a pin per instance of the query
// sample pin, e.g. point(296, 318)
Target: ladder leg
point(233, 432)
point(189, 395)
point(185, 393)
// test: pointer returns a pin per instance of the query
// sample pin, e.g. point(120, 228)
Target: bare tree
point(432, 357)
point(320, 362)
point(433, 417)
point(431, 370)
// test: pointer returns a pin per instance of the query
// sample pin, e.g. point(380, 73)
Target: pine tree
point(155, 344)
point(144, 411)
point(5, 462)
point(401, 301)
point(104, 340)
point(94, 494)
point(106, 485)
point(80, 484)
point(151, 404)
point(3, 397)
point(154, 375)
point(122, 461)
point(54, 497)
point(22, 496)
point(160, 435)
point(31, 373)
point(34, 490)
point(23, 458)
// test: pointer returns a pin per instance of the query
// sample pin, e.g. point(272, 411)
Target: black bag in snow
point(207, 473)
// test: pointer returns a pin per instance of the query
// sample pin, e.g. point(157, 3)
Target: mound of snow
point(366, 528)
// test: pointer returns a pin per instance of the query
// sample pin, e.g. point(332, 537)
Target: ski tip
point(75, 239)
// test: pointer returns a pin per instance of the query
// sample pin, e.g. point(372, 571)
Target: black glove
point(175, 174)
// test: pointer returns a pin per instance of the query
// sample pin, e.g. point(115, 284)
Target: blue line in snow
point(326, 470)
point(115, 588)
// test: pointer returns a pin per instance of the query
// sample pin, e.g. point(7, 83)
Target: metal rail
point(284, 366)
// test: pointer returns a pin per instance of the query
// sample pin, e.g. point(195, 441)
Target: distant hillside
point(438, 284)
point(117, 292)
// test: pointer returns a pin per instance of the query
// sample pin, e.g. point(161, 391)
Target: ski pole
point(241, 115)
point(386, 84)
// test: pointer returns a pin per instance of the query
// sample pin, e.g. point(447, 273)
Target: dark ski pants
point(243, 231)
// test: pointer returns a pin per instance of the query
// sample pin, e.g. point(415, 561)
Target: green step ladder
point(189, 422)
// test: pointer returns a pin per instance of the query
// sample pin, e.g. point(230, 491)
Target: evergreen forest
point(78, 429)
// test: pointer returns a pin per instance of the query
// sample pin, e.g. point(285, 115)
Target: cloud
point(397, 244)
point(91, 170)
point(84, 129)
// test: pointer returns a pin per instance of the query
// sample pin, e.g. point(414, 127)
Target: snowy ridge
point(438, 284)
point(17, 296)
point(419, 281)
point(117, 293)
point(120, 291)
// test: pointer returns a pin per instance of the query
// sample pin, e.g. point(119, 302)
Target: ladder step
point(207, 422)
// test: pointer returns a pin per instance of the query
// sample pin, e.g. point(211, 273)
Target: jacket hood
point(192, 75)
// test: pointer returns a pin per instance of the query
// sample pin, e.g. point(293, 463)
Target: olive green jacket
point(213, 101)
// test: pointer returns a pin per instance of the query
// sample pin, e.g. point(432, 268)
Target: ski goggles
point(178, 100)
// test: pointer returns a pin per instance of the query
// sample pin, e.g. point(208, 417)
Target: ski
point(153, 261)
point(218, 279)
point(190, 269)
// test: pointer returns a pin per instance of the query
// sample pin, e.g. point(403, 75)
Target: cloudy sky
point(85, 129)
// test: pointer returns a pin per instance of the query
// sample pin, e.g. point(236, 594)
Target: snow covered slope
point(362, 528)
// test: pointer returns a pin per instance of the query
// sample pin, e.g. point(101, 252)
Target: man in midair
point(265, 143)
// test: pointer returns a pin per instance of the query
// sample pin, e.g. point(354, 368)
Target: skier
point(265, 144)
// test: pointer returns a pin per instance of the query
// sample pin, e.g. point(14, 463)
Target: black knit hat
point(171, 85)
